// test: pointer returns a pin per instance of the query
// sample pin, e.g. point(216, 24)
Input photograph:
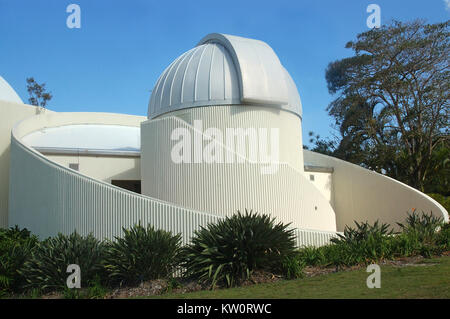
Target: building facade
point(223, 133)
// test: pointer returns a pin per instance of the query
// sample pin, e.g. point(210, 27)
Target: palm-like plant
point(15, 247)
point(143, 253)
point(363, 231)
point(46, 268)
point(229, 251)
point(425, 226)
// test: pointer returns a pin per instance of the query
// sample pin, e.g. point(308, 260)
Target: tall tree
point(392, 104)
point(38, 95)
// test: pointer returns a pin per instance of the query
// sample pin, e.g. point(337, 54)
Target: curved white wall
point(364, 195)
point(223, 188)
point(10, 114)
point(48, 198)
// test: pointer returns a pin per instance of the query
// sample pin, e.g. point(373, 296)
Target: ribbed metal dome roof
point(225, 70)
point(204, 75)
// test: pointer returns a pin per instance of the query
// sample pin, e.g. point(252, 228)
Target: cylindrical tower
point(224, 134)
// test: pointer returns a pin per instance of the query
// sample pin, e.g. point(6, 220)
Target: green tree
point(38, 95)
point(392, 104)
point(321, 145)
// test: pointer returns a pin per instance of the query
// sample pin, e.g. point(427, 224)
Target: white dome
point(204, 75)
point(7, 93)
point(225, 70)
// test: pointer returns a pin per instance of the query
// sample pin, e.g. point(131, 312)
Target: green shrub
point(362, 232)
point(228, 252)
point(313, 256)
point(95, 290)
point(362, 244)
point(292, 267)
point(441, 199)
point(443, 237)
point(424, 226)
point(15, 247)
point(406, 244)
point(142, 254)
point(46, 268)
point(423, 235)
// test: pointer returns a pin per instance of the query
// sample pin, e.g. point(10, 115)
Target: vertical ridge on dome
point(200, 66)
point(166, 89)
point(188, 63)
point(174, 78)
point(231, 87)
point(216, 83)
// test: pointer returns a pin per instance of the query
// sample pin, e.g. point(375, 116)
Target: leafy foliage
point(425, 226)
point(321, 145)
point(46, 268)
point(142, 254)
point(392, 102)
point(366, 243)
point(363, 231)
point(15, 246)
point(292, 267)
point(424, 232)
point(228, 252)
point(38, 95)
point(441, 199)
point(313, 256)
point(95, 290)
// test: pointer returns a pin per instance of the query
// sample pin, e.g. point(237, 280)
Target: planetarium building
point(223, 133)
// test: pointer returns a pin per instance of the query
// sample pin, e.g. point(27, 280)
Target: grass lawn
point(417, 281)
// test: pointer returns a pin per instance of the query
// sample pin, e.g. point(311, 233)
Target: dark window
point(74, 166)
point(134, 186)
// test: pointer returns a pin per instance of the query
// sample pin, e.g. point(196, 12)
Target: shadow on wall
point(329, 187)
point(4, 187)
point(127, 179)
point(129, 174)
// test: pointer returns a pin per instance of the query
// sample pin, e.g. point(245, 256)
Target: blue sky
point(114, 60)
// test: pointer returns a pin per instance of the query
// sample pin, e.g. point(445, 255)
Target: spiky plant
point(226, 253)
point(363, 231)
point(313, 256)
point(425, 226)
point(46, 269)
point(143, 253)
point(15, 247)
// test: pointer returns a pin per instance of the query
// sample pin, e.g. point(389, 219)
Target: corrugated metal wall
point(48, 198)
point(223, 188)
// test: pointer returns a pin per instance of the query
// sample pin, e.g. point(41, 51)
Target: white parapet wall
point(10, 114)
point(49, 198)
point(223, 188)
point(363, 195)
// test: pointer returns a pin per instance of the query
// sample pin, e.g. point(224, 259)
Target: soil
point(158, 287)
point(161, 286)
